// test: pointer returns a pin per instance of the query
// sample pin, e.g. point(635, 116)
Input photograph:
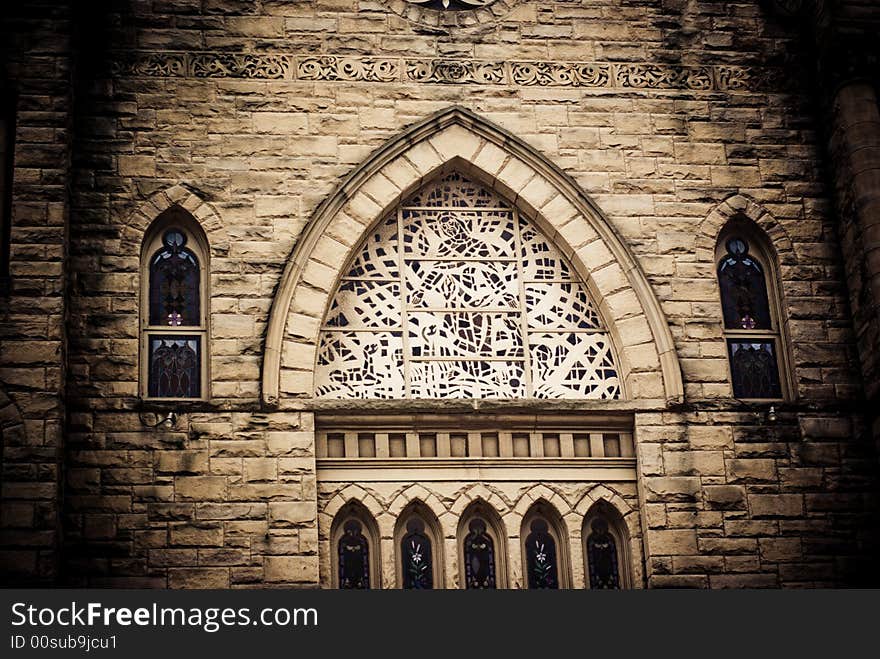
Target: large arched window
point(483, 550)
point(354, 540)
point(606, 549)
point(455, 295)
point(420, 561)
point(751, 313)
point(174, 308)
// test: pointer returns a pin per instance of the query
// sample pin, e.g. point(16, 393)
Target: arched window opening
point(455, 295)
point(479, 556)
point(602, 556)
point(541, 560)
point(420, 545)
point(482, 555)
point(751, 314)
point(418, 559)
point(354, 557)
point(354, 541)
point(174, 313)
point(605, 548)
point(544, 548)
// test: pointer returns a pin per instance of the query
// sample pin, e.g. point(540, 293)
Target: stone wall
point(36, 56)
point(670, 116)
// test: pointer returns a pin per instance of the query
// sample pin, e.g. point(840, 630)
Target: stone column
point(855, 147)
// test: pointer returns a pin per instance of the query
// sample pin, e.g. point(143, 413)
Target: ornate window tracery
point(751, 316)
point(174, 314)
point(454, 295)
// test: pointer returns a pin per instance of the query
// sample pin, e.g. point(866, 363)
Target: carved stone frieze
point(619, 75)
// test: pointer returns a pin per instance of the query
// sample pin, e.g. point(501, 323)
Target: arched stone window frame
point(418, 510)
point(458, 139)
point(618, 529)
point(175, 217)
point(495, 529)
point(556, 528)
point(354, 510)
point(763, 252)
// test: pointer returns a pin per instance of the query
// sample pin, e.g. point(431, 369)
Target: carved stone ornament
point(451, 4)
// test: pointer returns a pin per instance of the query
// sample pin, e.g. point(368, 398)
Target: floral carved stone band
point(451, 4)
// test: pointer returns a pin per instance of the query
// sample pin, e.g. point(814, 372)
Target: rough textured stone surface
point(249, 116)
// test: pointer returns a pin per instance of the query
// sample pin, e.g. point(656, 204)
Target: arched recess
point(458, 139)
point(545, 542)
point(419, 548)
point(606, 548)
point(481, 519)
point(354, 526)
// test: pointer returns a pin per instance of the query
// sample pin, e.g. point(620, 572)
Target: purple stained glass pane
point(743, 285)
point(754, 369)
point(543, 572)
point(175, 366)
point(354, 557)
point(479, 557)
point(174, 284)
point(602, 557)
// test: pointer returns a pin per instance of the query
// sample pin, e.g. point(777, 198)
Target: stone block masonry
point(671, 118)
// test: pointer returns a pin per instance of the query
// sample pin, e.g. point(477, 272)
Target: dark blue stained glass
point(354, 557)
point(174, 283)
point(418, 562)
point(543, 572)
point(602, 557)
point(479, 557)
point(744, 300)
point(175, 366)
point(754, 369)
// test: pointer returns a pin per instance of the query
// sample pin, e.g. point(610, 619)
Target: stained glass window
point(752, 333)
point(174, 283)
point(354, 557)
point(174, 330)
point(602, 557)
point(418, 563)
point(175, 366)
point(479, 557)
point(754, 369)
point(455, 295)
point(541, 564)
point(744, 298)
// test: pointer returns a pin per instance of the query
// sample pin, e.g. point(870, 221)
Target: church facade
point(440, 294)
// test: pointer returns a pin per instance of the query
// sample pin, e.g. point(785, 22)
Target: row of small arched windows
point(174, 310)
point(482, 549)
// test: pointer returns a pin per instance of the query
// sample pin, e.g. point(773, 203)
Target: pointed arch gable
point(177, 196)
point(741, 206)
point(458, 139)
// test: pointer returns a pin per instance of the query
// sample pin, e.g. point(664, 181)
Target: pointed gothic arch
point(458, 139)
point(176, 197)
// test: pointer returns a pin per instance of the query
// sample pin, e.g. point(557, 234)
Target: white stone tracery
point(454, 295)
